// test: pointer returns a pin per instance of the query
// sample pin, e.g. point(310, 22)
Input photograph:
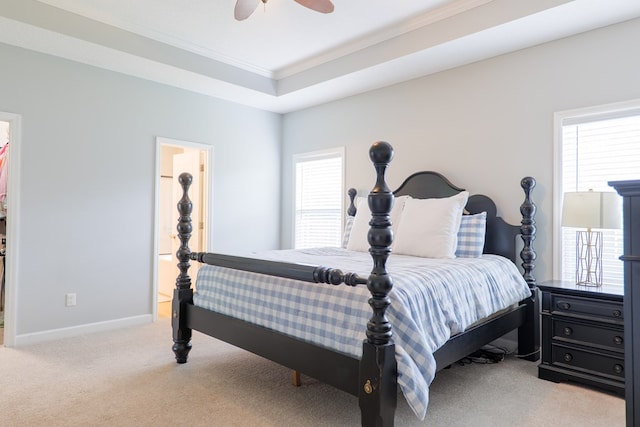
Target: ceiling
point(286, 57)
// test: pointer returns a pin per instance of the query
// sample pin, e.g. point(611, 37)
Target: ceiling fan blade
point(322, 6)
point(244, 9)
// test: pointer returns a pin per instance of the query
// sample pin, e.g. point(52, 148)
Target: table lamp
point(590, 210)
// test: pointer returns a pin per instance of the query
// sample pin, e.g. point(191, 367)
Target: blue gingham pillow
point(471, 235)
point(348, 224)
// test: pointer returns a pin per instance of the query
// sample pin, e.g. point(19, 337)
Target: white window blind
point(594, 152)
point(319, 196)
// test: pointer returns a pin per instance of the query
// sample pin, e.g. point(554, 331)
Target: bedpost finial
point(381, 152)
point(351, 210)
point(185, 178)
point(528, 182)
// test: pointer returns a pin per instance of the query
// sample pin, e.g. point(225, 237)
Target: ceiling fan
point(244, 8)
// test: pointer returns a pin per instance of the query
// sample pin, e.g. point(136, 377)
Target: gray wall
point(87, 183)
point(485, 125)
point(88, 153)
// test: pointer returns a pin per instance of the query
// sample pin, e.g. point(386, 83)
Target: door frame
point(208, 175)
point(13, 238)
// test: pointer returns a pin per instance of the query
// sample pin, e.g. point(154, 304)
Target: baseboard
point(74, 331)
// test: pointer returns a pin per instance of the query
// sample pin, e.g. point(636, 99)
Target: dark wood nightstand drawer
point(578, 306)
point(591, 362)
point(593, 335)
point(583, 335)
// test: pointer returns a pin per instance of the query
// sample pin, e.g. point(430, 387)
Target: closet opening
point(9, 198)
point(4, 163)
point(175, 157)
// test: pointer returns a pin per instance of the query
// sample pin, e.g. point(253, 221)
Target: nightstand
point(583, 335)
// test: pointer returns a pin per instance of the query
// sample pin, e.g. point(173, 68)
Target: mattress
point(431, 300)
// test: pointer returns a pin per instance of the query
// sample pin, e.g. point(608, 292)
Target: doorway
point(9, 134)
point(4, 141)
point(175, 157)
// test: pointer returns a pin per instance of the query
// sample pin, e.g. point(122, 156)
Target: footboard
point(377, 386)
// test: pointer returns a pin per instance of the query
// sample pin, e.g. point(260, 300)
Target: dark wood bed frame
point(373, 378)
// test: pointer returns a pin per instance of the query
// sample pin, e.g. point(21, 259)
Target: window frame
point(560, 119)
point(329, 153)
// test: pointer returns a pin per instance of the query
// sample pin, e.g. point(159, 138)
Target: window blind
point(318, 200)
point(606, 148)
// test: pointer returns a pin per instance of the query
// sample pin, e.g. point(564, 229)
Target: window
point(594, 146)
point(319, 195)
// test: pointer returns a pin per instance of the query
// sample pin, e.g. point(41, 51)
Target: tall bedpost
point(528, 230)
point(183, 293)
point(529, 332)
point(378, 368)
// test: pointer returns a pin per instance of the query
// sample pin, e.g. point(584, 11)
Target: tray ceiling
point(286, 57)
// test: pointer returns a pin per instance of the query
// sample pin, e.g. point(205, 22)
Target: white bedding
point(431, 300)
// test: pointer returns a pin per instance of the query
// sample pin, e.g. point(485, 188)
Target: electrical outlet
point(70, 300)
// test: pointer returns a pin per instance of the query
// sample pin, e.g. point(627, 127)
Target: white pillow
point(429, 227)
point(360, 228)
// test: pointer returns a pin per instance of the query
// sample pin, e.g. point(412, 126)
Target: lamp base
point(589, 258)
point(589, 284)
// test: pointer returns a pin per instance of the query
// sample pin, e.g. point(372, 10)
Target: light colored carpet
point(129, 378)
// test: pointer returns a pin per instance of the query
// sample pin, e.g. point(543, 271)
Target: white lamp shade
point(592, 209)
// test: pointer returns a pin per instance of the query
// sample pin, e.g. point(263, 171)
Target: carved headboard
point(500, 238)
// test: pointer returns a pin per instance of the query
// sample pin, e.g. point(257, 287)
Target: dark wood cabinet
point(583, 335)
point(630, 192)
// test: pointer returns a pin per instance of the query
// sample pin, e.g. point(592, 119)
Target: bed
point(253, 302)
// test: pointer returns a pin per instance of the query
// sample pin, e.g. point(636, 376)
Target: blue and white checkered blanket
point(431, 300)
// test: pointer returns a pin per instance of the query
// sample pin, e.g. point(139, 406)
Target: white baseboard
point(74, 331)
